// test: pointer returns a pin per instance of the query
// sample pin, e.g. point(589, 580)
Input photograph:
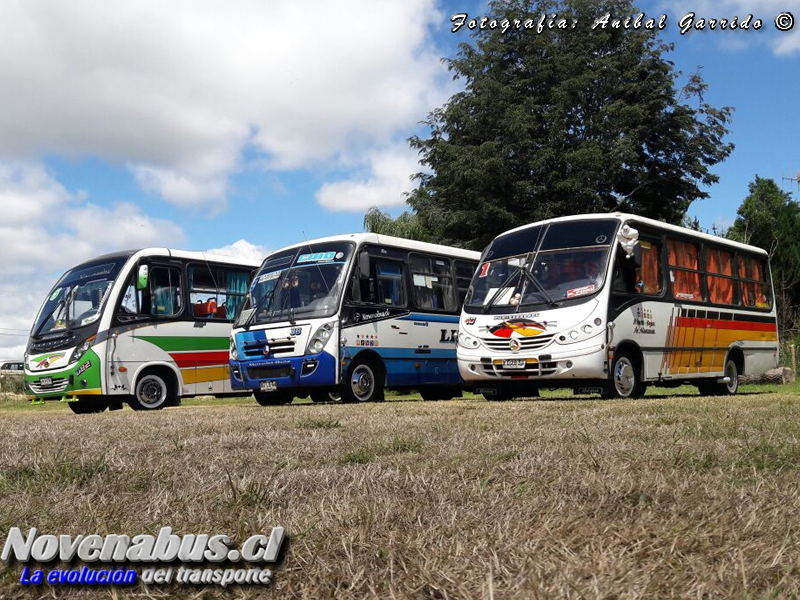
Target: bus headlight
point(82, 349)
point(467, 341)
point(233, 352)
point(321, 336)
point(586, 329)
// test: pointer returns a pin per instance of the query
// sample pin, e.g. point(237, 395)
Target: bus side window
point(386, 284)
point(625, 277)
point(165, 291)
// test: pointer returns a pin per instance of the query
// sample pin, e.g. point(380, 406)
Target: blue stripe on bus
point(431, 318)
point(405, 353)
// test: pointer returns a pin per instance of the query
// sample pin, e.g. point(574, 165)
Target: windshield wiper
point(496, 297)
point(62, 304)
point(532, 278)
point(260, 303)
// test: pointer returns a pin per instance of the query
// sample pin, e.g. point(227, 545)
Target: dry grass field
point(672, 496)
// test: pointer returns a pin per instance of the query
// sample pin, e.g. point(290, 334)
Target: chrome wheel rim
point(624, 377)
point(151, 392)
point(362, 382)
point(733, 374)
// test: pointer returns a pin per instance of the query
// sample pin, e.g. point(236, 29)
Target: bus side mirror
point(363, 265)
point(637, 255)
point(142, 277)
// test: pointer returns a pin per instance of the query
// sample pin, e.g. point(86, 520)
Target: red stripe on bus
point(199, 359)
point(719, 324)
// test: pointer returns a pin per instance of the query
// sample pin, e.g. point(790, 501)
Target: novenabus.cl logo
point(117, 551)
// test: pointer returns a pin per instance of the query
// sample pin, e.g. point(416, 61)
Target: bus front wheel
point(152, 392)
point(86, 406)
point(364, 382)
point(273, 398)
point(626, 377)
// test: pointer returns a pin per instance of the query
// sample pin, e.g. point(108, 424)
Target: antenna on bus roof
point(321, 276)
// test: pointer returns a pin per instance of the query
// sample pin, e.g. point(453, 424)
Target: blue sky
point(245, 127)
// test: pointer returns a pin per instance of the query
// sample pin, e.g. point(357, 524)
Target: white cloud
point(241, 249)
point(388, 182)
point(178, 91)
point(46, 229)
point(782, 43)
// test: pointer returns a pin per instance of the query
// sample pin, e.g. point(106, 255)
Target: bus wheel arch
point(155, 387)
point(732, 369)
point(626, 378)
point(364, 379)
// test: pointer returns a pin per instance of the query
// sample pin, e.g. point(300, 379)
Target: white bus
point(612, 303)
point(351, 315)
point(145, 327)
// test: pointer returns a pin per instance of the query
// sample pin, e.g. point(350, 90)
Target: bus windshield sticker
point(269, 276)
point(484, 270)
point(55, 294)
point(316, 257)
point(586, 289)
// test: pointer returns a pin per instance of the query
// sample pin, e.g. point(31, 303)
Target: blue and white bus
point(349, 316)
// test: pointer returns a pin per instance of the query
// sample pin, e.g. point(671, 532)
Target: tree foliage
point(564, 122)
point(407, 225)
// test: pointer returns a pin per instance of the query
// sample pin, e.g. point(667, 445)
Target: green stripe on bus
point(178, 343)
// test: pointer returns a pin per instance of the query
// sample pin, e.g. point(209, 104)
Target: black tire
point(325, 396)
point(712, 388)
point(364, 382)
point(626, 376)
point(273, 398)
point(500, 396)
point(87, 405)
point(153, 391)
point(434, 393)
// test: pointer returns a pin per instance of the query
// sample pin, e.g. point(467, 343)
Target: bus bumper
point(588, 362)
point(80, 379)
point(297, 372)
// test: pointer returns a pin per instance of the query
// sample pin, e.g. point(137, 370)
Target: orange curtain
point(685, 284)
point(720, 289)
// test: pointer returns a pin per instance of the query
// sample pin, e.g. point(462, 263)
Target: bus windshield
point(548, 263)
point(77, 299)
point(305, 282)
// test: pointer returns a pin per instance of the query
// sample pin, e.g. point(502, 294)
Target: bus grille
point(532, 343)
point(57, 384)
point(276, 347)
point(269, 372)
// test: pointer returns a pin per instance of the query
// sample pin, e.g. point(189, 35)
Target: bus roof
point(170, 252)
point(388, 240)
point(625, 217)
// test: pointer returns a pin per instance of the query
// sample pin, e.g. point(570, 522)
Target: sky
point(245, 126)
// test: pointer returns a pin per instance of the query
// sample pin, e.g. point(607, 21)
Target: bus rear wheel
point(626, 377)
point(152, 392)
point(712, 388)
point(322, 396)
point(87, 405)
point(273, 398)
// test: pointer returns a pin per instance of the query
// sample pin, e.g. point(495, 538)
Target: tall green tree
point(770, 219)
point(567, 121)
point(406, 225)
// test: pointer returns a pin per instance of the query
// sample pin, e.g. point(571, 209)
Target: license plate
point(46, 381)
point(269, 386)
point(514, 363)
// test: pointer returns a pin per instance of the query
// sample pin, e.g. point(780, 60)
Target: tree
point(407, 225)
point(770, 219)
point(563, 122)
